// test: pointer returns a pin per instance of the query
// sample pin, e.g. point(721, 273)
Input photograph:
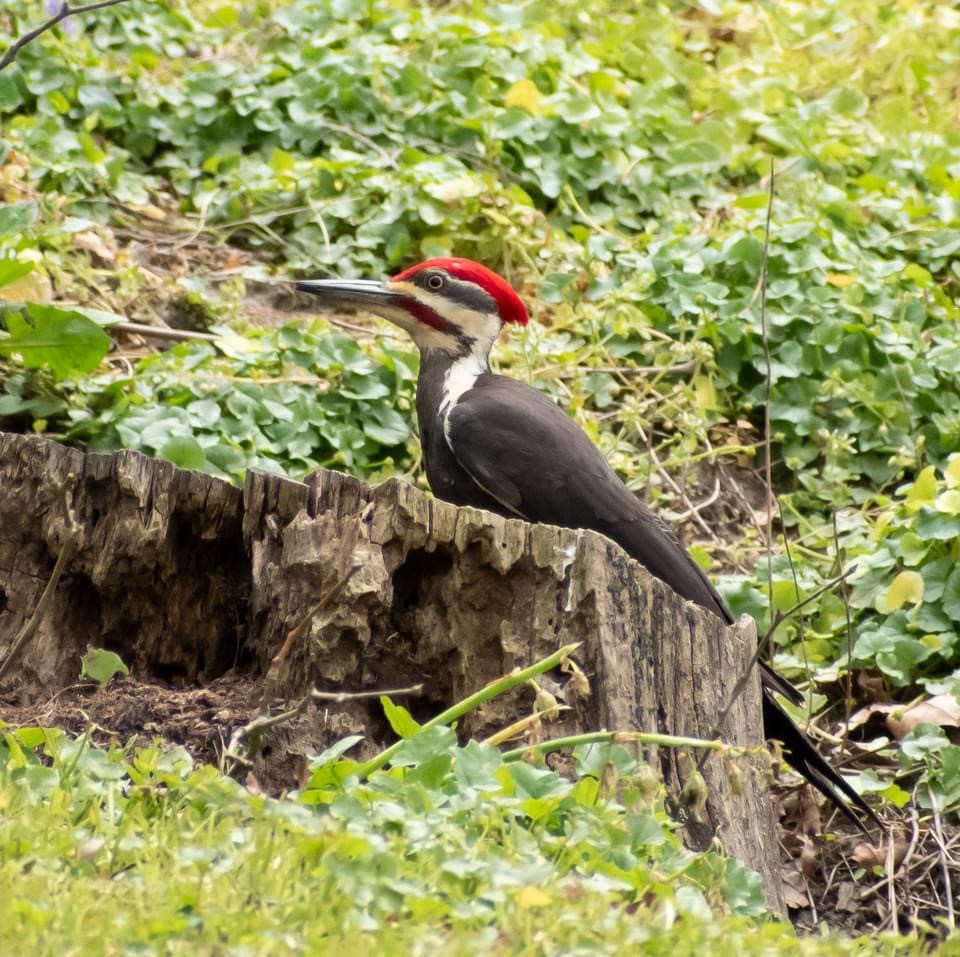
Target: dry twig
point(65, 11)
point(692, 509)
point(944, 865)
point(162, 332)
point(253, 729)
point(767, 441)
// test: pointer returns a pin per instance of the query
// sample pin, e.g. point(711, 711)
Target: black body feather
point(509, 449)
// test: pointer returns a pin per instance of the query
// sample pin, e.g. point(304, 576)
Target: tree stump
point(187, 577)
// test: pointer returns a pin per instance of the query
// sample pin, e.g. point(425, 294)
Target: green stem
point(615, 737)
point(488, 693)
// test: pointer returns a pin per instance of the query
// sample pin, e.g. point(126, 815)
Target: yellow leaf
point(952, 473)
point(235, 345)
point(840, 279)
point(906, 587)
point(529, 896)
point(917, 274)
point(880, 526)
point(524, 94)
point(497, 217)
point(923, 491)
point(453, 190)
point(706, 393)
point(949, 501)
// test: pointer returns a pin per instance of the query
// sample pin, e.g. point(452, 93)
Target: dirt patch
point(202, 720)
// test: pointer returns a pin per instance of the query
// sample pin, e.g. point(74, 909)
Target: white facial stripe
point(426, 337)
point(482, 326)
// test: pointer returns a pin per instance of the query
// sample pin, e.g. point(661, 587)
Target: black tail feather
point(804, 758)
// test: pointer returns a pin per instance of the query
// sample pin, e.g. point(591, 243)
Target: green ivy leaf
point(951, 595)
point(102, 665)
point(61, 339)
point(425, 746)
point(16, 217)
point(400, 719)
point(185, 451)
point(11, 270)
point(335, 751)
point(10, 97)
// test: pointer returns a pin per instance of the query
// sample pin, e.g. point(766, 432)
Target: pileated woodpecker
point(498, 444)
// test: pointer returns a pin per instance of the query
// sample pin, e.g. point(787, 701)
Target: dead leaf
point(869, 855)
point(94, 243)
point(794, 886)
point(872, 685)
point(809, 858)
point(847, 897)
point(942, 710)
point(34, 287)
point(862, 715)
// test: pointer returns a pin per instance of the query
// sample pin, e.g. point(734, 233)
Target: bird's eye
point(435, 282)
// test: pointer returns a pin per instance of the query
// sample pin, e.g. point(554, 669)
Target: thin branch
point(845, 598)
point(568, 372)
point(762, 645)
point(781, 617)
point(696, 509)
point(768, 467)
point(272, 679)
point(668, 478)
point(622, 737)
point(340, 697)
point(70, 535)
point(944, 866)
point(253, 729)
point(801, 636)
point(65, 11)
point(159, 332)
point(768, 471)
point(894, 916)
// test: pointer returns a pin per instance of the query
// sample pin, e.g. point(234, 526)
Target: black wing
point(531, 457)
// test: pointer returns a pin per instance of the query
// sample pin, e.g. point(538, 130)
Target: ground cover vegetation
point(177, 165)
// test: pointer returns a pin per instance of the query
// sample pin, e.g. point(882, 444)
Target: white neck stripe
point(459, 378)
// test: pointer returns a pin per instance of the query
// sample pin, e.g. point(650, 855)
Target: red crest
point(509, 304)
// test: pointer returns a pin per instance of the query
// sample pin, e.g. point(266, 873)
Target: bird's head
point(455, 305)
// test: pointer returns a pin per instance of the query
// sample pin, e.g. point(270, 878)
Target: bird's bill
point(353, 293)
point(389, 300)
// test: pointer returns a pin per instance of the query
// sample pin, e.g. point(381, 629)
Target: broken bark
point(188, 579)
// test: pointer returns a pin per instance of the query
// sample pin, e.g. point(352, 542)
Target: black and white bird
point(498, 444)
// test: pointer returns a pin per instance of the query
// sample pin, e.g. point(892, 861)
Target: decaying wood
point(187, 577)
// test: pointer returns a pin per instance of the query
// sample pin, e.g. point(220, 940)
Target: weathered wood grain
point(187, 577)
